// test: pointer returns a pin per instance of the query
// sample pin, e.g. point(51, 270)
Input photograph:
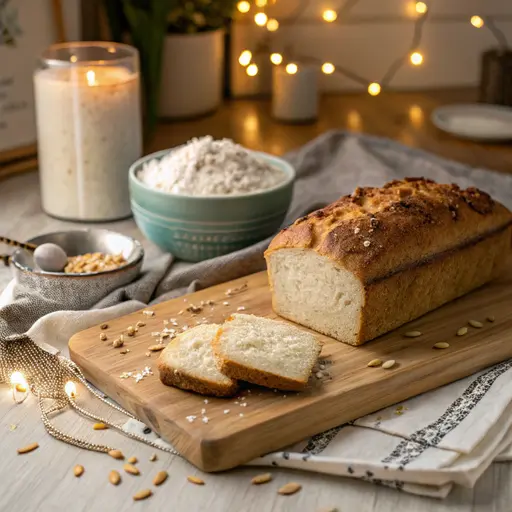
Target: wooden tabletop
point(43, 480)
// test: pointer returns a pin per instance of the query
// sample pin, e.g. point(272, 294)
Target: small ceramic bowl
point(90, 287)
point(196, 228)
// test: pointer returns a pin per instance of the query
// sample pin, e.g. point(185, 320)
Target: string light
point(292, 68)
point(276, 58)
point(245, 58)
point(416, 58)
point(260, 3)
point(477, 22)
point(328, 68)
point(421, 7)
point(374, 89)
point(70, 389)
point(329, 15)
point(272, 25)
point(243, 6)
point(19, 382)
point(260, 18)
point(252, 70)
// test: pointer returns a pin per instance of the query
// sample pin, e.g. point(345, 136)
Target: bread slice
point(266, 352)
point(188, 363)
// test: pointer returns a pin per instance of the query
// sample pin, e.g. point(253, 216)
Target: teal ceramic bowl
point(197, 228)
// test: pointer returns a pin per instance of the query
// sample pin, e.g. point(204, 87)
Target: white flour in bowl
point(205, 167)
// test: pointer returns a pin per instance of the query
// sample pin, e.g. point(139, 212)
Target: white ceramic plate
point(475, 121)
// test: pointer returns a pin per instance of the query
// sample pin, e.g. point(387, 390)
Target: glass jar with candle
point(89, 128)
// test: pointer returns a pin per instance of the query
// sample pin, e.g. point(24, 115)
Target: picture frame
point(26, 28)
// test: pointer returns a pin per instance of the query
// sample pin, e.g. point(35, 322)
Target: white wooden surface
point(43, 480)
point(370, 38)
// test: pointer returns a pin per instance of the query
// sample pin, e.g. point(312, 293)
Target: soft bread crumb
point(188, 363)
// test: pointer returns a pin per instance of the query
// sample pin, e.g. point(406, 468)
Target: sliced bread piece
point(188, 363)
point(266, 352)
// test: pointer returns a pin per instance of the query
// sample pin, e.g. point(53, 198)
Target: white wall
point(371, 38)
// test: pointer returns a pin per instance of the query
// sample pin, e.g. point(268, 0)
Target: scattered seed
point(147, 312)
point(140, 323)
point(130, 330)
point(366, 243)
point(491, 319)
point(289, 488)
point(131, 469)
point(114, 477)
point(103, 336)
point(116, 454)
point(142, 495)
point(476, 324)
point(441, 344)
point(20, 388)
point(100, 426)
point(148, 354)
point(78, 470)
point(156, 348)
point(132, 460)
point(195, 480)
point(153, 457)
point(226, 411)
point(104, 326)
point(412, 334)
point(261, 479)
point(160, 478)
point(374, 362)
point(462, 331)
point(240, 308)
point(118, 342)
point(388, 364)
point(124, 351)
point(319, 375)
point(29, 448)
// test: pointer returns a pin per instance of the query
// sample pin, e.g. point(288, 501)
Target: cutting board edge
point(215, 454)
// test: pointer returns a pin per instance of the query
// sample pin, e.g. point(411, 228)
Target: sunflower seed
point(142, 495)
point(261, 479)
point(388, 364)
point(78, 470)
point(156, 348)
point(289, 488)
point(29, 448)
point(114, 477)
point(131, 469)
point(441, 344)
point(374, 362)
point(476, 324)
point(116, 454)
point(160, 478)
point(195, 480)
point(412, 334)
point(490, 319)
point(462, 331)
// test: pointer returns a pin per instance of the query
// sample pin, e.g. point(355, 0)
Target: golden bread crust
point(377, 232)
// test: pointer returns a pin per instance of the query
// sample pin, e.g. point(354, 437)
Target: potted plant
point(181, 46)
point(193, 57)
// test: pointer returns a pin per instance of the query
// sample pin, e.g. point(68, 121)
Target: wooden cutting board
point(272, 420)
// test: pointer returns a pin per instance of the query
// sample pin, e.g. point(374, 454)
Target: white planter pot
point(192, 74)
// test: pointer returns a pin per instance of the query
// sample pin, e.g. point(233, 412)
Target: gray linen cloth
point(328, 167)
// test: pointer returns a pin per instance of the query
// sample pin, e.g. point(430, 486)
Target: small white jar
point(89, 129)
point(295, 93)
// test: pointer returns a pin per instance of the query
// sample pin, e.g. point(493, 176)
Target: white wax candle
point(89, 133)
point(295, 96)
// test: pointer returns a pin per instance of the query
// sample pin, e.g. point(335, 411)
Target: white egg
point(50, 257)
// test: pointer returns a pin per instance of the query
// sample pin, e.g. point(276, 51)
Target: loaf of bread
point(381, 257)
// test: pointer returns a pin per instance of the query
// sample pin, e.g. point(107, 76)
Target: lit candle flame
point(70, 389)
point(91, 78)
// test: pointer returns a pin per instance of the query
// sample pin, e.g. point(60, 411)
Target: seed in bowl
point(205, 167)
point(93, 262)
